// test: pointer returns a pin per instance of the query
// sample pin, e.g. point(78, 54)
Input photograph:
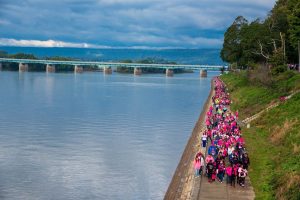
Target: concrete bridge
point(107, 66)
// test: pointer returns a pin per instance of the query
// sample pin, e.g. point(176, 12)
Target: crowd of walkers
point(226, 154)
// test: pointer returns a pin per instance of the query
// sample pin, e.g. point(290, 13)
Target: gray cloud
point(178, 23)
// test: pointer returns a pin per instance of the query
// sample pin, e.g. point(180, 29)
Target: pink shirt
point(197, 164)
point(229, 171)
point(209, 158)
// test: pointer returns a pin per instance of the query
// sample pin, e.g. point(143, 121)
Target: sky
point(123, 23)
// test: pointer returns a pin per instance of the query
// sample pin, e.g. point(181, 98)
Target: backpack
point(243, 174)
point(210, 167)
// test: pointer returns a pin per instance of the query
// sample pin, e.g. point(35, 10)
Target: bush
point(279, 69)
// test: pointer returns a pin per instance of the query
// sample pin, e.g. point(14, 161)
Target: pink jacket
point(197, 164)
point(229, 170)
point(241, 140)
point(209, 158)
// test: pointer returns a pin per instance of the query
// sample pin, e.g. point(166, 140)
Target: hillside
point(273, 141)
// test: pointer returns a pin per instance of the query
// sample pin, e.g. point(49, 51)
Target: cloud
point(152, 23)
point(53, 43)
point(45, 43)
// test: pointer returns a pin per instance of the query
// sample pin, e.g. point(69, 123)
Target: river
point(90, 136)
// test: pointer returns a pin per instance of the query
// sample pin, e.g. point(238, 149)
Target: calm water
point(89, 136)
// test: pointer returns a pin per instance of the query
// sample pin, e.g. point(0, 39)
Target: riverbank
point(273, 141)
point(180, 186)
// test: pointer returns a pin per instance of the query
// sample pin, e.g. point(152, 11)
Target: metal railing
point(113, 64)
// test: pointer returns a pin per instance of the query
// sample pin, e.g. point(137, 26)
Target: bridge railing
point(112, 64)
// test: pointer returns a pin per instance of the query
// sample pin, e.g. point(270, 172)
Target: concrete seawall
point(181, 178)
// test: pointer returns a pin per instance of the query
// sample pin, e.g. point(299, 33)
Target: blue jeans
point(221, 176)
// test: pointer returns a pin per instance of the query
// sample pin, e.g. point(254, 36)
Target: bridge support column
point(50, 68)
point(107, 70)
point(23, 67)
point(78, 69)
point(137, 71)
point(0, 66)
point(203, 73)
point(169, 72)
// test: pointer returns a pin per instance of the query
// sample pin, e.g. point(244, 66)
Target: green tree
point(23, 56)
point(273, 40)
point(232, 50)
point(294, 22)
point(255, 43)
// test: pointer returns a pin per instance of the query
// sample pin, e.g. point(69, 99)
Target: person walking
point(197, 166)
point(221, 171)
point(204, 139)
point(245, 161)
point(242, 176)
point(229, 174)
point(210, 170)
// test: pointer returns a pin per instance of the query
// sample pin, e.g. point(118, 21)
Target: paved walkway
point(186, 186)
point(217, 190)
point(203, 190)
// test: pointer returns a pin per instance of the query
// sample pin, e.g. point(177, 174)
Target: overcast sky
point(123, 23)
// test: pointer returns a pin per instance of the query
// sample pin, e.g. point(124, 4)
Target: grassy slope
point(273, 141)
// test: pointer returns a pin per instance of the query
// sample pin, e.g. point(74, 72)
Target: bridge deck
point(112, 64)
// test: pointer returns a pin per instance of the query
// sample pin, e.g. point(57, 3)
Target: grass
point(273, 141)
point(250, 96)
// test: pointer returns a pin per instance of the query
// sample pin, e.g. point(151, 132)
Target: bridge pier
point(23, 67)
point(137, 71)
point(0, 66)
point(203, 73)
point(169, 72)
point(107, 70)
point(50, 68)
point(78, 69)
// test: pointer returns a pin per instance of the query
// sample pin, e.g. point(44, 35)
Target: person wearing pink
point(209, 135)
point(209, 158)
point(210, 169)
point(228, 174)
point(242, 176)
point(241, 141)
point(207, 122)
point(221, 171)
point(197, 166)
point(234, 174)
point(224, 153)
point(220, 142)
point(202, 164)
point(211, 109)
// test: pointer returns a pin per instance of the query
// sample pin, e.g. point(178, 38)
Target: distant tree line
point(33, 66)
point(42, 67)
point(149, 70)
point(272, 42)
